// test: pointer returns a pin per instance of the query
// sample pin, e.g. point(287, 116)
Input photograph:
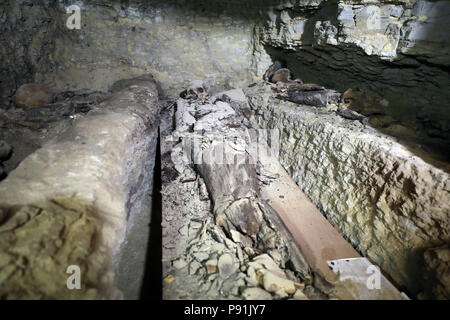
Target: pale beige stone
point(66, 204)
point(273, 282)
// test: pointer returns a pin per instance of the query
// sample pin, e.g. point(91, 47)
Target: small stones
point(238, 237)
point(256, 294)
point(240, 255)
point(252, 278)
point(179, 263)
point(281, 294)
point(299, 295)
point(195, 225)
point(299, 286)
point(262, 269)
point(276, 256)
point(226, 265)
point(203, 191)
point(194, 266)
point(183, 230)
point(272, 282)
point(218, 247)
point(249, 251)
point(266, 262)
point(200, 256)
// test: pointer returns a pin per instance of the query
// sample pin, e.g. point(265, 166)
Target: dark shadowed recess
point(422, 88)
point(152, 283)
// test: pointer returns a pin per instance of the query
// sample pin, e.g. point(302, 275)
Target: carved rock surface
point(67, 203)
point(384, 198)
point(398, 50)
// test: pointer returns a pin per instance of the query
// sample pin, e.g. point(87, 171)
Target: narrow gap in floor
point(152, 283)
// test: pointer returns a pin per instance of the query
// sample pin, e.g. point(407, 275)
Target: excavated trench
point(154, 192)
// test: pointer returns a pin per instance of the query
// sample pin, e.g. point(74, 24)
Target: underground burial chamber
point(115, 165)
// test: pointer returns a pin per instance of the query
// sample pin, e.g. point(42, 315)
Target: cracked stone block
point(67, 204)
point(390, 201)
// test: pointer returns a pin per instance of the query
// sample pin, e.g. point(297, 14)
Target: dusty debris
point(299, 295)
point(213, 259)
point(227, 265)
point(255, 293)
point(273, 282)
point(179, 263)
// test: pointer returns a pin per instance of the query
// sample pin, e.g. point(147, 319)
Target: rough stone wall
point(27, 33)
point(397, 49)
point(388, 202)
point(177, 41)
point(68, 202)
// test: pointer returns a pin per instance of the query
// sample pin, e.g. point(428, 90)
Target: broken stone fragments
point(255, 293)
point(227, 265)
point(301, 125)
point(270, 275)
point(241, 215)
point(217, 255)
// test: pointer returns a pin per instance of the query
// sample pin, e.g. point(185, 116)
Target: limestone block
point(384, 198)
point(67, 203)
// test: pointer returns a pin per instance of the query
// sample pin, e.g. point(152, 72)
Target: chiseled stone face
point(176, 41)
point(384, 198)
point(398, 51)
point(67, 203)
